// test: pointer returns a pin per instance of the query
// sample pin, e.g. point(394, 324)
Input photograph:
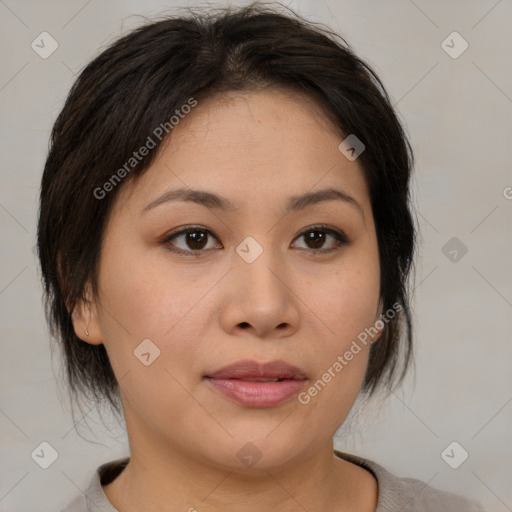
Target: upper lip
point(248, 369)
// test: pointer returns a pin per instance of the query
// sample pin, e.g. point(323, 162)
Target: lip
point(235, 382)
point(253, 369)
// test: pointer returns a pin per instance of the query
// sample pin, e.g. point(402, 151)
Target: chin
point(253, 454)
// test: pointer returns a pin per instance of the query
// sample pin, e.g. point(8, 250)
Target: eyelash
point(339, 236)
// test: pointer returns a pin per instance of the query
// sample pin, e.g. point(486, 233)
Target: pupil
point(195, 238)
point(317, 239)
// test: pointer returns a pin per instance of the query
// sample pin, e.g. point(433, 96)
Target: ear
point(85, 319)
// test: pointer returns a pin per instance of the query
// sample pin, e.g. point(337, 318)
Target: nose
point(260, 300)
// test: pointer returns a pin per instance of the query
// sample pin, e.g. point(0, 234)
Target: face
point(265, 280)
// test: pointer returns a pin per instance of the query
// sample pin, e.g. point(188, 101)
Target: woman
point(225, 239)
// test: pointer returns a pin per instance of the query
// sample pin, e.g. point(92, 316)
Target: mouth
point(258, 385)
point(254, 371)
point(262, 379)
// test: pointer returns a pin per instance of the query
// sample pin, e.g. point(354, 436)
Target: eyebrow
point(211, 200)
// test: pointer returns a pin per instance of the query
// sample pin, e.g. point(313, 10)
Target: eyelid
point(340, 240)
point(183, 230)
point(337, 234)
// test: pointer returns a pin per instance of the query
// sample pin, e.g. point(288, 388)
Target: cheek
point(142, 302)
point(345, 304)
point(340, 357)
point(146, 295)
point(345, 301)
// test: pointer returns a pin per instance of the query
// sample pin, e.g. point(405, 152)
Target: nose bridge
point(264, 300)
point(257, 264)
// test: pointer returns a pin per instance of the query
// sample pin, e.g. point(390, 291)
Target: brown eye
point(316, 237)
point(196, 239)
point(192, 240)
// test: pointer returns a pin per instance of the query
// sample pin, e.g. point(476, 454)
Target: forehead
point(241, 122)
point(260, 145)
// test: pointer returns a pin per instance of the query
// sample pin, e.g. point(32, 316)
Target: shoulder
point(94, 499)
point(411, 494)
point(415, 494)
point(77, 505)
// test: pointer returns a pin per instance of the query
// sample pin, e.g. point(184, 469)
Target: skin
point(291, 303)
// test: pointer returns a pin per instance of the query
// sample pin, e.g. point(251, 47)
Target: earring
point(86, 332)
point(376, 340)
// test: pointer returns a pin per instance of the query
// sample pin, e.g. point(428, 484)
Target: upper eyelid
point(187, 229)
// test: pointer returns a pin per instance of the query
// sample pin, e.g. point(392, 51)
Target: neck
point(177, 481)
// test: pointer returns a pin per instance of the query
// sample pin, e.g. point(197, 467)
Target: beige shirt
point(396, 494)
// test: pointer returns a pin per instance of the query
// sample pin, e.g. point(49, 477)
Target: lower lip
point(257, 394)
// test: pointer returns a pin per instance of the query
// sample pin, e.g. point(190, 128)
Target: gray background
point(458, 114)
